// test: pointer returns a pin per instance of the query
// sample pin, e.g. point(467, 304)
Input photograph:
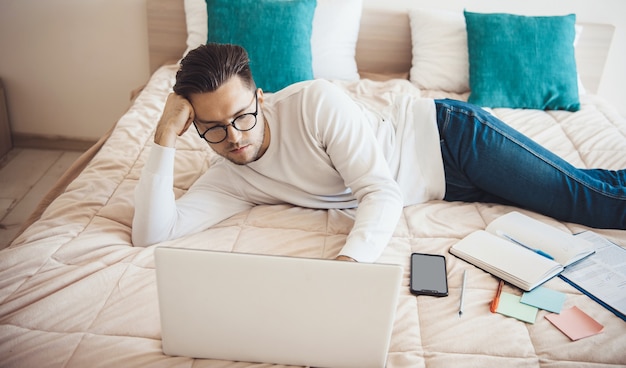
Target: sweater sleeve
point(352, 147)
point(159, 216)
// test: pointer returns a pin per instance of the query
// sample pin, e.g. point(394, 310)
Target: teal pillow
point(276, 34)
point(522, 62)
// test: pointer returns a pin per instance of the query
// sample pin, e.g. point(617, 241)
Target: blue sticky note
point(544, 298)
point(511, 306)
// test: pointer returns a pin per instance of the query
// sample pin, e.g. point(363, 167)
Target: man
point(311, 145)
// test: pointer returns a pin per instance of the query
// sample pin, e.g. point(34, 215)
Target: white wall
point(69, 65)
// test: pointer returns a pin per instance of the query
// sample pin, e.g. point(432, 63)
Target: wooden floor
point(26, 175)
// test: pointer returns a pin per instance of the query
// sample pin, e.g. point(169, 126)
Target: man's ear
point(260, 93)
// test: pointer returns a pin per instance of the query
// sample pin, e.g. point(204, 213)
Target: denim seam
point(442, 139)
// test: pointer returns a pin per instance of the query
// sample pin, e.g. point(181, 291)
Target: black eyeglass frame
point(232, 123)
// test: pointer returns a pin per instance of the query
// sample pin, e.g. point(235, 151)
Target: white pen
point(462, 293)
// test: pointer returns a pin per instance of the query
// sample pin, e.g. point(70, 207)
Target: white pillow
point(440, 60)
point(197, 25)
point(439, 51)
point(336, 26)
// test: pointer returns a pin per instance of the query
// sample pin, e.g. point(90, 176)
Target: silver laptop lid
point(275, 309)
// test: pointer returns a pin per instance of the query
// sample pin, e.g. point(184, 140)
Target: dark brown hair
point(207, 67)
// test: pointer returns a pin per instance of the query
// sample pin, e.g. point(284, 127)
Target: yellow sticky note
point(511, 306)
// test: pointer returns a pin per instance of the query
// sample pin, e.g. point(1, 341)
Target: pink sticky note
point(575, 323)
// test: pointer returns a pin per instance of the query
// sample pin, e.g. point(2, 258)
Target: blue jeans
point(486, 160)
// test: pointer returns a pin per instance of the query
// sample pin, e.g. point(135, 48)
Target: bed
point(75, 292)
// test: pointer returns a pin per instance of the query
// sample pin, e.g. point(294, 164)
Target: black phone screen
point(428, 274)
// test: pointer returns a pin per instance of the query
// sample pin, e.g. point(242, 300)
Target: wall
point(69, 65)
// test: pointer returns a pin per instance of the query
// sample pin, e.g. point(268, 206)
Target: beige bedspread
point(74, 292)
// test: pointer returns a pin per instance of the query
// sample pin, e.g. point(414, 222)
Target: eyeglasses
point(242, 123)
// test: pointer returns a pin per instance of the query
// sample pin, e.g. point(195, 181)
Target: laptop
point(275, 309)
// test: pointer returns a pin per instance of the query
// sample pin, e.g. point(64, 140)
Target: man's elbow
point(142, 236)
point(139, 240)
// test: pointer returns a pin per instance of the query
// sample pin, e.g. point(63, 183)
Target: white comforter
point(74, 292)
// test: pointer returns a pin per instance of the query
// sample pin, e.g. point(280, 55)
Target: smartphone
point(428, 274)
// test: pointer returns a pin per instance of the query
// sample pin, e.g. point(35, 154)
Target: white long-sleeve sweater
point(326, 151)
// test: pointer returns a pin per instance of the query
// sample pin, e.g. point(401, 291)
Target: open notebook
point(521, 250)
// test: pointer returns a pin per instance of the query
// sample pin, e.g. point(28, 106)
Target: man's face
point(219, 108)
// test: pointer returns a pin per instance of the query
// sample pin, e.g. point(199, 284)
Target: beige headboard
point(384, 44)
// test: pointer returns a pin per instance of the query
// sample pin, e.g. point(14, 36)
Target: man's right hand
point(177, 116)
